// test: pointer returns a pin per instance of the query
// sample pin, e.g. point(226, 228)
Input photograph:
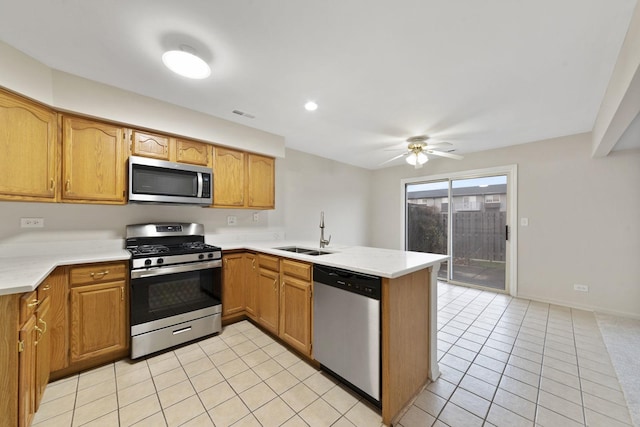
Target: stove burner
point(152, 249)
point(193, 245)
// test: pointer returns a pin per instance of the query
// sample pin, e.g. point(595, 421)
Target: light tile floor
point(504, 362)
point(513, 362)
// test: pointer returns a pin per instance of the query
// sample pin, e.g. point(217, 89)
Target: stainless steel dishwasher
point(346, 327)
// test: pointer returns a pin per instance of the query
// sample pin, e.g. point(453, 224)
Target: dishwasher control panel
point(350, 281)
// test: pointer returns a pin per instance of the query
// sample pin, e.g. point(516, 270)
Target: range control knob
point(201, 256)
point(210, 255)
point(147, 262)
point(160, 261)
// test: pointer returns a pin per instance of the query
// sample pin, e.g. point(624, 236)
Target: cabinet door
point(261, 181)
point(268, 293)
point(295, 313)
point(27, 372)
point(149, 145)
point(228, 178)
point(251, 286)
point(232, 284)
point(28, 146)
point(98, 320)
point(56, 288)
point(43, 349)
point(196, 153)
point(92, 162)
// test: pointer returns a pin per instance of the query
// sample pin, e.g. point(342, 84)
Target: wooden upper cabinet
point(149, 145)
point(260, 181)
point(28, 134)
point(196, 153)
point(228, 177)
point(93, 162)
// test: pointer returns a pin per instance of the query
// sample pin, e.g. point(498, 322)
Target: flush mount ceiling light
point(186, 63)
point(311, 106)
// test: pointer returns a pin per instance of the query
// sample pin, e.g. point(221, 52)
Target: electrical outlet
point(256, 216)
point(581, 288)
point(524, 222)
point(232, 220)
point(31, 222)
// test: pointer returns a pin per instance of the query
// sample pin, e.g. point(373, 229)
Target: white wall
point(584, 219)
point(313, 184)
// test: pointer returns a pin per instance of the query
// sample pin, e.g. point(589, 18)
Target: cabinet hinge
point(20, 346)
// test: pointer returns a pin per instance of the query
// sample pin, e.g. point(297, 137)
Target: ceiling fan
point(417, 150)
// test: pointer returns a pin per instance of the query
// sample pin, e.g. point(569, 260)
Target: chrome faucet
point(323, 242)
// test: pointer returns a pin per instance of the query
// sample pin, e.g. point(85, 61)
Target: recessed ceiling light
point(186, 63)
point(311, 106)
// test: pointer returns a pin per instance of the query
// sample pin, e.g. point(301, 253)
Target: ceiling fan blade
point(442, 154)
point(392, 159)
point(439, 144)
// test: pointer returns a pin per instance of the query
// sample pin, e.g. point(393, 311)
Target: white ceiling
point(478, 74)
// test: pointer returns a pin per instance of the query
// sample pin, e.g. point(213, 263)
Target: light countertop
point(24, 266)
point(389, 263)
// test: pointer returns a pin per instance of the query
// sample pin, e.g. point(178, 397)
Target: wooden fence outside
point(477, 234)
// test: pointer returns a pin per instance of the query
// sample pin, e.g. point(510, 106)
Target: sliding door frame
point(511, 171)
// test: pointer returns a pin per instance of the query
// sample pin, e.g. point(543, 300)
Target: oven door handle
point(161, 271)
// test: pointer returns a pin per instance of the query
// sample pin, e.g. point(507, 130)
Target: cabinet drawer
point(298, 269)
point(98, 273)
point(269, 262)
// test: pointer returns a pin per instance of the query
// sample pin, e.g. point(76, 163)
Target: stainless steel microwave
point(159, 181)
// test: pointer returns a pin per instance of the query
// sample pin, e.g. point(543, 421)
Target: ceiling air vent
point(242, 113)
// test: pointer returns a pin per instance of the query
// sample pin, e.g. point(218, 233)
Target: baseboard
point(582, 307)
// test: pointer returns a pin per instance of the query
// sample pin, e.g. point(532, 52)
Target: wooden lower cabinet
point(27, 372)
point(268, 294)
point(251, 286)
point(295, 305)
point(233, 284)
point(34, 351)
point(56, 288)
point(43, 349)
point(98, 320)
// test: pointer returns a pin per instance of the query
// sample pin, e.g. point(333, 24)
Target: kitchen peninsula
point(408, 305)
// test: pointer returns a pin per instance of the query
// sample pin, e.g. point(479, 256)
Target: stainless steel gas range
point(175, 286)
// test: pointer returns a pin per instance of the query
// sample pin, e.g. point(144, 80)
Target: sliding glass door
point(465, 218)
point(428, 219)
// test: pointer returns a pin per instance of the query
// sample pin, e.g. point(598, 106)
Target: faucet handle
point(329, 239)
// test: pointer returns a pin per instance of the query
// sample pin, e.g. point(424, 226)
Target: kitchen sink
point(305, 251)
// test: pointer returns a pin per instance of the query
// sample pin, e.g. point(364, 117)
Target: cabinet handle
point(34, 303)
point(41, 332)
point(67, 185)
point(52, 184)
point(45, 326)
point(99, 275)
point(275, 285)
point(46, 287)
point(253, 263)
point(121, 293)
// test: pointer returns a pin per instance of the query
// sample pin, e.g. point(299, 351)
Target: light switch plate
point(256, 216)
point(524, 222)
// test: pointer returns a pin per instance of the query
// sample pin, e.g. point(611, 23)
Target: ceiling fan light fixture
point(311, 106)
point(186, 63)
point(417, 159)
